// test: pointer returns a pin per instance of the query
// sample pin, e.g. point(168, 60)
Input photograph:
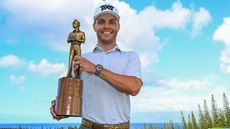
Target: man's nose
point(106, 25)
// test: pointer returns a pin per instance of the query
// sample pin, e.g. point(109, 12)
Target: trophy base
point(69, 99)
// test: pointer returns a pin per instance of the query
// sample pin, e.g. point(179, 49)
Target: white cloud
point(184, 84)
point(45, 68)
point(222, 34)
point(177, 95)
point(137, 29)
point(17, 80)
point(138, 32)
point(11, 61)
point(225, 59)
point(52, 19)
point(200, 20)
point(177, 17)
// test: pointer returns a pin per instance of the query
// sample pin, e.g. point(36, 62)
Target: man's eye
point(100, 21)
point(112, 22)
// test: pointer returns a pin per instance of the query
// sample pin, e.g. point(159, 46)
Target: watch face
point(99, 67)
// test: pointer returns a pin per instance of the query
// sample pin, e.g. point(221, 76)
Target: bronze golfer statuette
point(69, 98)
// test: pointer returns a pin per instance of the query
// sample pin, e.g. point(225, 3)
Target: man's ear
point(118, 26)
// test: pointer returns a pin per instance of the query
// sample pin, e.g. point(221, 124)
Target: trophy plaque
point(69, 96)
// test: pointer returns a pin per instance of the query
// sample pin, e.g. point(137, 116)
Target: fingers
point(77, 58)
point(77, 63)
point(53, 103)
point(53, 112)
point(52, 108)
point(83, 64)
point(76, 66)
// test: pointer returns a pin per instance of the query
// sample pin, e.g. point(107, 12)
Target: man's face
point(106, 27)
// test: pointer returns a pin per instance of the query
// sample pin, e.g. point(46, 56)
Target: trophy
point(69, 96)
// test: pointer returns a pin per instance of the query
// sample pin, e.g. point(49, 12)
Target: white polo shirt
point(101, 102)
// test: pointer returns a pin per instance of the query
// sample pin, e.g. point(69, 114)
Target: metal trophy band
point(69, 96)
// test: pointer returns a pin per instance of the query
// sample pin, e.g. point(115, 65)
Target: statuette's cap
point(106, 8)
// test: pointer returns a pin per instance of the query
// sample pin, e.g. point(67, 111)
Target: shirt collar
point(114, 49)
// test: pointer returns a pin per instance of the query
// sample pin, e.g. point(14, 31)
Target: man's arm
point(127, 84)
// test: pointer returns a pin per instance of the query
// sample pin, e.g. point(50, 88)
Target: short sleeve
point(134, 65)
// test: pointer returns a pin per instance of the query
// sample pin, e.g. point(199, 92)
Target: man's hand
point(85, 65)
point(53, 112)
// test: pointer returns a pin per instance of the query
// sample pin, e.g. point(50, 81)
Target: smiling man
point(110, 76)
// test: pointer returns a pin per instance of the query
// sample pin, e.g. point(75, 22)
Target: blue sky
point(184, 48)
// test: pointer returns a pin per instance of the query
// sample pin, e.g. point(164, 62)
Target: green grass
point(218, 128)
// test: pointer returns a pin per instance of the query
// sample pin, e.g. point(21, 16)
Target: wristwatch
point(99, 68)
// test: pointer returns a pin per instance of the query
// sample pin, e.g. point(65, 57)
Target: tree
point(177, 126)
point(156, 127)
point(165, 126)
point(226, 111)
point(194, 123)
point(145, 127)
point(202, 122)
point(171, 125)
point(150, 126)
point(184, 125)
point(221, 120)
point(207, 117)
point(215, 115)
point(189, 122)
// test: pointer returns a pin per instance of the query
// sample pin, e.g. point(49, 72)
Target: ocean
point(65, 125)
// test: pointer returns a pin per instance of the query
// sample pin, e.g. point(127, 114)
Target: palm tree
point(207, 117)
point(215, 114)
point(202, 121)
point(226, 111)
point(184, 125)
point(194, 123)
point(189, 122)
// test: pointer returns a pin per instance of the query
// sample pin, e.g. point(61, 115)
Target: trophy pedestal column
point(69, 98)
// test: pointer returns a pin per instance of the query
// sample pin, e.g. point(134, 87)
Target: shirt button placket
point(105, 60)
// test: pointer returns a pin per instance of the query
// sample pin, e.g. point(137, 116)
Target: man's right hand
point(53, 112)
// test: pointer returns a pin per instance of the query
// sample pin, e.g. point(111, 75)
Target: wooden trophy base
point(69, 99)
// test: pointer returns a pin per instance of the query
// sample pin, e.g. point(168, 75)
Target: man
point(109, 74)
point(75, 38)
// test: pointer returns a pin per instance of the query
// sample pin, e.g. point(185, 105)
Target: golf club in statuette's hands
point(69, 96)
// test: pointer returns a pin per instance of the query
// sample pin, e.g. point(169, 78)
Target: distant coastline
point(64, 125)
